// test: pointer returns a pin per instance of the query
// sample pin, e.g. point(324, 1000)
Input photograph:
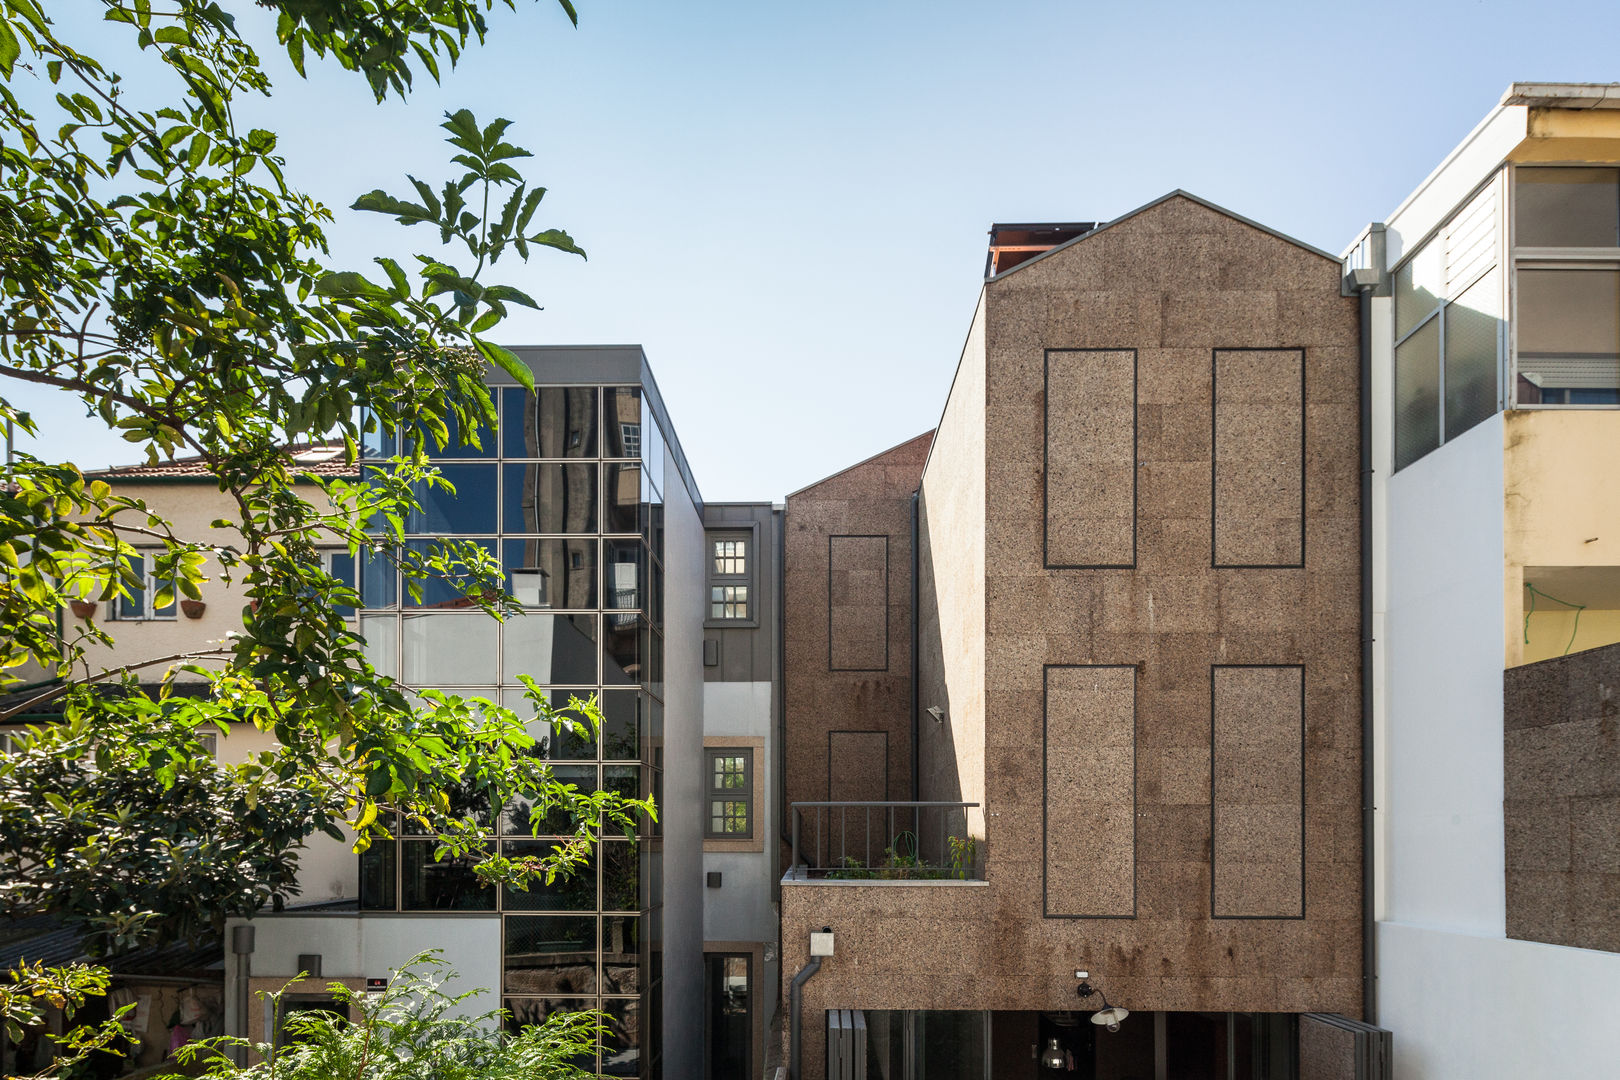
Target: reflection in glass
point(1560, 207)
point(381, 634)
point(572, 890)
point(621, 954)
point(437, 590)
point(470, 509)
point(455, 447)
point(726, 985)
point(551, 422)
point(624, 644)
point(449, 649)
point(1471, 356)
point(561, 741)
point(550, 573)
point(620, 881)
point(621, 724)
point(448, 884)
point(621, 422)
point(557, 820)
point(551, 649)
point(549, 498)
point(377, 866)
point(626, 572)
point(1418, 285)
point(378, 579)
point(527, 1011)
point(550, 954)
point(1569, 336)
point(621, 1046)
point(623, 510)
point(1417, 395)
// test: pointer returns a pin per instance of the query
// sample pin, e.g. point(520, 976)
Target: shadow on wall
point(939, 776)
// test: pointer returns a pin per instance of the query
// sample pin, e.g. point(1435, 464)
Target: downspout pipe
point(1369, 925)
point(795, 1001)
point(916, 661)
point(242, 942)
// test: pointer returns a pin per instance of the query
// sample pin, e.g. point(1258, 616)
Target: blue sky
point(786, 204)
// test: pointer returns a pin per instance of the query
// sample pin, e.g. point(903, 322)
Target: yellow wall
point(1562, 510)
point(1552, 628)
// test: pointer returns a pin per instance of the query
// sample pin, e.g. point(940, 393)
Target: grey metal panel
point(748, 654)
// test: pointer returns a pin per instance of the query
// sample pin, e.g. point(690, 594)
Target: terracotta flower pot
point(193, 608)
point(84, 609)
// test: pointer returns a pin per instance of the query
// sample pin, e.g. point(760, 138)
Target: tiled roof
point(319, 459)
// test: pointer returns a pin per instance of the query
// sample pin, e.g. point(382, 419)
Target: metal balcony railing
point(884, 841)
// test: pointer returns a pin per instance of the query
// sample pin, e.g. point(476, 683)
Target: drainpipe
point(916, 662)
point(818, 949)
point(1365, 283)
point(242, 946)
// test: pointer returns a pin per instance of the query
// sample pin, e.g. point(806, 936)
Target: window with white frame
point(730, 577)
point(1566, 259)
point(152, 599)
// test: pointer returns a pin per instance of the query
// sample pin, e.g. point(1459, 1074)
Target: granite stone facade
point(1163, 720)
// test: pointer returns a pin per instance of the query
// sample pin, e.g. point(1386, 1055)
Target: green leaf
point(348, 284)
point(507, 361)
point(10, 50)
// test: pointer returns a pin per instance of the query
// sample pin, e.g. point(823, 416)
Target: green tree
point(156, 262)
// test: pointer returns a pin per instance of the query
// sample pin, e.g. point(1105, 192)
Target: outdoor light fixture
point(937, 713)
point(1053, 1056)
point(1108, 1016)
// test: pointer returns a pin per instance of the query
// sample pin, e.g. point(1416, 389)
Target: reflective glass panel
point(381, 634)
point(447, 884)
point(626, 562)
point(556, 821)
point(621, 954)
point(457, 447)
point(572, 890)
point(549, 498)
point(1558, 207)
point(621, 1046)
point(449, 649)
point(550, 954)
point(559, 741)
point(470, 509)
point(550, 573)
point(623, 509)
point(551, 422)
point(624, 647)
point(1568, 335)
point(621, 422)
point(1417, 395)
point(620, 883)
point(551, 649)
point(378, 580)
point(378, 443)
point(1471, 355)
point(621, 724)
point(377, 866)
point(1418, 285)
point(436, 590)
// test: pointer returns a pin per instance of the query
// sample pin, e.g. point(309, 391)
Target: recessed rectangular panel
point(1259, 458)
point(858, 603)
point(1257, 785)
point(1090, 458)
point(1090, 792)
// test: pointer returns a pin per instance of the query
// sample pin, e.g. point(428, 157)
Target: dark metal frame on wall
point(858, 536)
point(1213, 913)
point(1046, 463)
point(1214, 455)
point(1135, 670)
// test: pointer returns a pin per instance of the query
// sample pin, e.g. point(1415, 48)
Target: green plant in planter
point(964, 851)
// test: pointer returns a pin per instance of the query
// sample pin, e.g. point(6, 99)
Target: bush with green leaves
point(158, 262)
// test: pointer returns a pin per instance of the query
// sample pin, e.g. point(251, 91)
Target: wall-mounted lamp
point(937, 713)
point(1053, 1056)
point(1108, 1016)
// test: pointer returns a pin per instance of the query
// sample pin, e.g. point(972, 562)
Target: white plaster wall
point(1443, 688)
point(683, 772)
point(1470, 1008)
point(737, 708)
point(372, 946)
point(741, 909)
point(1464, 169)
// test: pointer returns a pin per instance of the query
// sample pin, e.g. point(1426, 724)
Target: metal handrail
point(889, 809)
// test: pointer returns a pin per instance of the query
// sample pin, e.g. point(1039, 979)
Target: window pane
point(378, 580)
point(456, 448)
point(621, 1046)
point(626, 571)
point(381, 634)
point(550, 954)
point(621, 724)
point(622, 780)
point(470, 510)
point(438, 591)
point(558, 742)
point(574, 890)
point(133, 606)
point(1471, 355)
point(449, 649)
point(727, 772)
point(728, 817)
point(621, 422)
point(448, 884)
point(557, 650)
point(728, 602)
point(1568, 207)
point(549, 498)
point(623, 512)
point(1568, 334)
point(556, 821)
point(621, 954)
point(1418, 285)
point(1417, 395)
point(730, 557)
point(624, 647)
point(552, 422)
point(377, 865)
point(340, 564)
point(551, 573)
point(620, 888)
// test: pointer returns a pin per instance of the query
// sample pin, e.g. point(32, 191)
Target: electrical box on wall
point(821, 943)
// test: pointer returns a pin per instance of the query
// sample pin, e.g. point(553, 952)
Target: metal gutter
point(795, 1000)
point(1369, 926)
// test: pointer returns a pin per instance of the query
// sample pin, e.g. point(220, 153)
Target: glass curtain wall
point(568, 496)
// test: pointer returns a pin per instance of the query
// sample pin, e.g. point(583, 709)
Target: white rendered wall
point(1443, 688)
point(683, 773)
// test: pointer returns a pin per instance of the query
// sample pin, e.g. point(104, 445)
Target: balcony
point(877, 843)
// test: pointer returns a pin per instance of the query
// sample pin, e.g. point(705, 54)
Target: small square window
point(730, 557)
point(728, 602)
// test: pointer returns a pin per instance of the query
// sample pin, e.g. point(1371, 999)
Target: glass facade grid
point(567, 495)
